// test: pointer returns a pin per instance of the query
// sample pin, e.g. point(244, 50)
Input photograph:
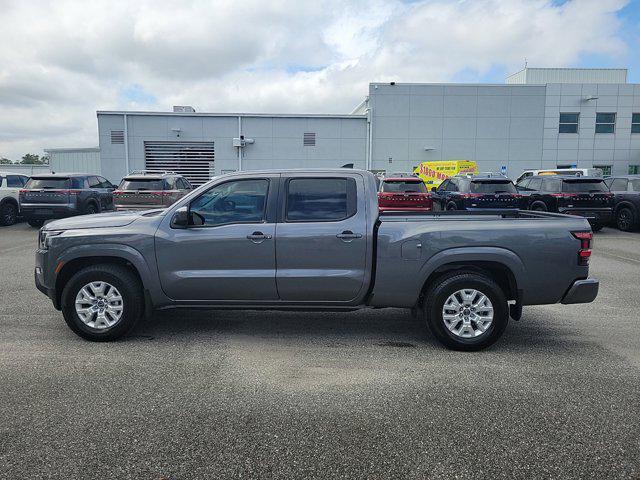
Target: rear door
point(321, 242)
point(586, 193)
point(494, 193)
point(47, 191)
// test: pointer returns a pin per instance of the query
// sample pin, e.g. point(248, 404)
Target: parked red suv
point(406, 194)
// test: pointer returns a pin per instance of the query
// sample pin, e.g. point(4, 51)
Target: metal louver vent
point(309, 139)
point(193, 160)
point(117, 136)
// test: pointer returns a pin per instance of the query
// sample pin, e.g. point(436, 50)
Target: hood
point(100, 220)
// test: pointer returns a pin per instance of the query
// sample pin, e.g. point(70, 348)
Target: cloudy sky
point(60, 61)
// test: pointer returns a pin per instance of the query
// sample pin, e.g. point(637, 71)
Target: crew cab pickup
point(312, 239)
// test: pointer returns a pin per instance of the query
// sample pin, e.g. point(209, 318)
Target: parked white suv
point(10, 185)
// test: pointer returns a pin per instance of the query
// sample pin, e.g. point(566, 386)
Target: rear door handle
point(348, 235)
point(258, 237)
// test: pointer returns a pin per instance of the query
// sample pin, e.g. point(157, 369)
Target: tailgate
point(404, 200)
point(43, 190)
point(497, 200)
point(140, 198)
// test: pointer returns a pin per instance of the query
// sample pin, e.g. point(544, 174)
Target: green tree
point(5, 161)
point(31, 159)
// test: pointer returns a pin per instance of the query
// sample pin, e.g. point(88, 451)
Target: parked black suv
point(588, 197)
point(63, 195)
point(626, 208)
point(475, 193)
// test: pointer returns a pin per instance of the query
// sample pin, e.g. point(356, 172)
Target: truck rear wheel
point(102, 302)
point(466, 311)
point(8, 214)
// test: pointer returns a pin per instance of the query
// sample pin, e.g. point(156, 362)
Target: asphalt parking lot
point(367, 394)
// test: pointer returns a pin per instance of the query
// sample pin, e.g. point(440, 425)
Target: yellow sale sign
point(434, 173)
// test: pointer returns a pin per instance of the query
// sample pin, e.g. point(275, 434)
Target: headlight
point(44, 238)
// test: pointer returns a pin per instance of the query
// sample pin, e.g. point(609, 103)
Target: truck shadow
point(390, 328)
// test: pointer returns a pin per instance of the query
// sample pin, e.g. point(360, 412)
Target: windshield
point(141, 184)
point(403, 186)
point(493, 187)
point(584, 186)
point(48, 183)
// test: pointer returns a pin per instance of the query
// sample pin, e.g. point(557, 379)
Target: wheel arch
point(623, 204)
point(10, 200)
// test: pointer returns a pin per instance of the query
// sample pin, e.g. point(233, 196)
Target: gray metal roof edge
point(212, 114)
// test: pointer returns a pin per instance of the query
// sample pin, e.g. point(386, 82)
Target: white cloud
point(61, 61)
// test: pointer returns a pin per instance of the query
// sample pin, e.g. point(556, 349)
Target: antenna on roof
point(525, 62)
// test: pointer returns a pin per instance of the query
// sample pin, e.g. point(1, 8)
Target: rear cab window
point(403, 186)
point(320, 199)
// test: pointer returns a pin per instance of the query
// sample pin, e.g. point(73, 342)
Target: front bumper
point(582, 291)
point(594, 215)
point(43, 284)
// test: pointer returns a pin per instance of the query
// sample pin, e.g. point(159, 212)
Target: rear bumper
point(46, 211)
point(594, 215)
point(582, 291)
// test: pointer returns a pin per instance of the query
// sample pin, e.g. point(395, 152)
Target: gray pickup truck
point(312, 240)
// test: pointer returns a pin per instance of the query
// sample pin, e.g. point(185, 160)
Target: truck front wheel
point(466, 311)
point(102, 302)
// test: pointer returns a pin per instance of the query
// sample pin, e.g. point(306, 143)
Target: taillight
point(23, 190)
point(73, 192)
point(117, 192)
point(585, 247)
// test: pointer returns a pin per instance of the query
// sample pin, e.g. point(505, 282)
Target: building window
point(568, 123)
point(605, 122)
point(309, 139)
point(606, 169)
point(635, 123)
point(634, 169)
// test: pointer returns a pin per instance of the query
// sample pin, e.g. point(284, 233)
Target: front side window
point(635, 185)
point(568, 123)
point(320, 199)
point(605, 122)
point(635, 123)
point(94, 182)
point(242, 201)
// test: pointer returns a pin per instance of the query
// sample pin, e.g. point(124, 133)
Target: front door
point(228, 252)
point(321, 246)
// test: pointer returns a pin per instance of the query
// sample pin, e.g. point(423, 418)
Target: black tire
point(8, 214)
point(437, 296)
point(538, 207)
point(451, 206)
point(35, 223)
point(91, 208)
point(132, 301)
point(626, 219)
point(596, 227)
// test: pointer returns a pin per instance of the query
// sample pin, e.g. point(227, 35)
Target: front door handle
point(348, 235)
point(258, 237)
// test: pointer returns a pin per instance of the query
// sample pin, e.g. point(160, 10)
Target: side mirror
point(180, 218)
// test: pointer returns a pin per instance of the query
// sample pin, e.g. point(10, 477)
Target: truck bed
point(413, 246)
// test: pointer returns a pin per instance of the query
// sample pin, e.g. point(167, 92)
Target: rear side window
point(141, 184)
point(535, 184)
point(48, 183)
point(94, 182)
point(635, 185)
point(619, 185)
point(492, 187)
point(584, 186)
point(14, 181)
point(403, 187)
point(320, 199)
point(551, 185)
point(170, 183)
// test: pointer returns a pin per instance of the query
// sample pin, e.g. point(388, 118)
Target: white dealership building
point(539, 118)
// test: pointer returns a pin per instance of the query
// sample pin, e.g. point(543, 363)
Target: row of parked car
point(49, 196)
point(602, 201)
